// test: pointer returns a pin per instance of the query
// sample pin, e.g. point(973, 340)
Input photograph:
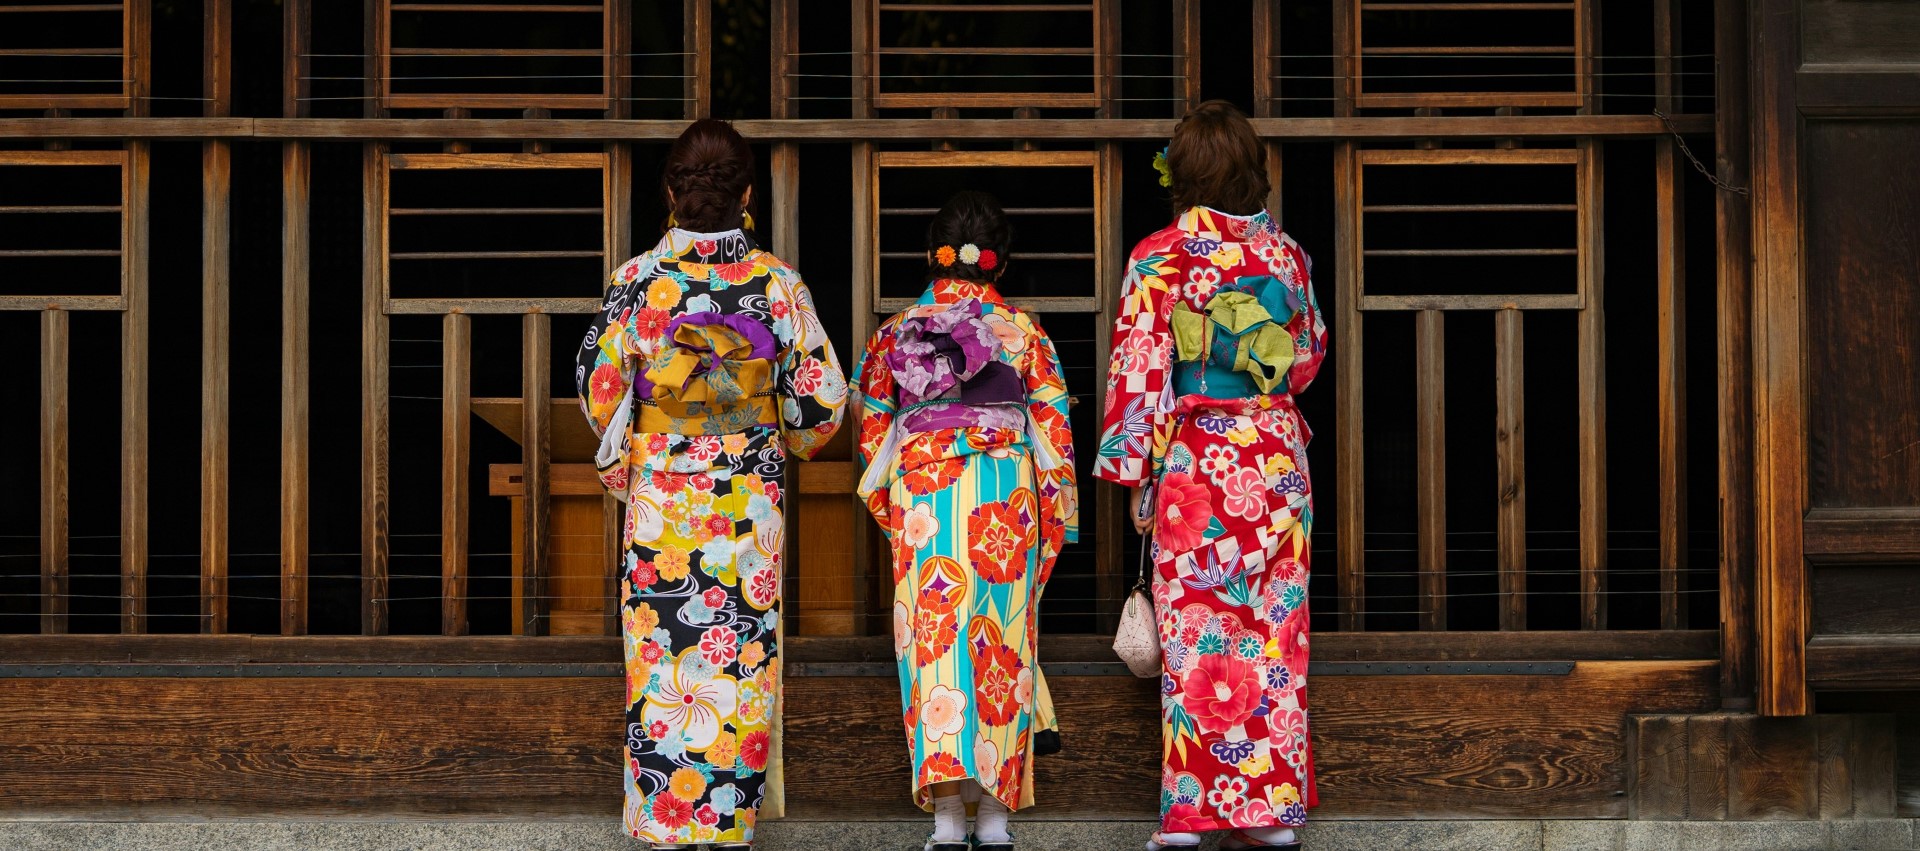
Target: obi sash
point(1237, 345)
point(947, 373)
point(716, 377)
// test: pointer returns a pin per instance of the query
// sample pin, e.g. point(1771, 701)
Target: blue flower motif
point(1211, 644)
point(1278, 676)
point(1214, 423)
point(702, 303)
point(696, 611)
point(1187, 788)
point(1294, 815)
point(1167, 684)
point(725, 799)
point(1231, 752)
point(1248, 647)
point(1293, 595)
point(760, 508)
point(1200, 246)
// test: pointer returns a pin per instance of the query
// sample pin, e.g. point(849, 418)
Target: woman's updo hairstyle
point(709, 167)
point(969, 218)
point(1216, 160)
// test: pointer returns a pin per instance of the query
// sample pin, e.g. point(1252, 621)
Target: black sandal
point(947, 845)
point(994, 846)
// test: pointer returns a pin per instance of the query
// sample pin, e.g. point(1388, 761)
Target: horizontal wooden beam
point(1863, 662)
point(1474, 301)
point(1862, 535)
point(37, 303)
point(840, 130)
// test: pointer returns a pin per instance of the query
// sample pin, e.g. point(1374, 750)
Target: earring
point(746, 219)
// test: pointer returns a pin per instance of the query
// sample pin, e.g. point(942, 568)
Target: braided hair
point(969, 218)
point(709, 167)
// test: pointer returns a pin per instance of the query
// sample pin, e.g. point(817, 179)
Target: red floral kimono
point(1218, 330)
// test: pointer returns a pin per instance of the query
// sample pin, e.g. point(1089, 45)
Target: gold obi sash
point(716, 377)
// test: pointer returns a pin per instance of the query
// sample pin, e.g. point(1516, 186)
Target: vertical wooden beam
point(376, 64)
point(296, 177)
point(1510, 392)
point(55, 349)
point(619, 23)
point(217, 57)
point(536, 406)
point(868, 554)
point(863, 39)
point(1779, 365)
point(296, 44)
point(375, 540)
point(697, 41)
point(1592, 337)
point(215, 354)
point(1346, 55)
point(783, 25)
point(1186, 50)
point(1109, 521)
point(456, 449)
point(616, 194)
point(1430, 378)
point(1670, 305)
point(1263, 52)
point(1350, 435)
point(138, 65)
point(1107, 49)
point(133, 391)
point(1734, 356)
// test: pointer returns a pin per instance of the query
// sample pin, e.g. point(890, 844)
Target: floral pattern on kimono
point(1233, 506)
point(977, 501)
point(704, 371)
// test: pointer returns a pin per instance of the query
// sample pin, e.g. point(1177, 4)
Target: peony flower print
point(1186, 507)
point(1221, 693)
point(943, 713)
point(1244, 494)
point(919, 525)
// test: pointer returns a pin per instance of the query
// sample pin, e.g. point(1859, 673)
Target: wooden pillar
point(1186, 51)
point(1734, 356)
point(1670, 308)
point(1510, 393)
point(296, 175)
point(55, 351)
point(1430, 378)
point(536, 456)
point(375, 540)
point(697, 41)
point(216, 234)
point(1592, 340)
point(133, 392)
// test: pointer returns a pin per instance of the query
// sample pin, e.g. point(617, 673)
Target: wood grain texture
point(1592, 342)
point(456, 455)
point(1658, 780)
point(216, 352)
point(1510, 450)
point(1707, 767)
point(1105, 520)
point(1733, 367)
point(136, 268)
point(1350, 446)
point(296, 179)
point(1430, 372)
point(375, 352)
point(1862, 535)
point(536, 457)
point(1670, 319)
point(1771, 769)
point(1864, 599)
point(1864, 663)
point(697, 38)
point(56, 348)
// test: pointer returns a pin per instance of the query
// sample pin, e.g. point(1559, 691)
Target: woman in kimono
point(1218, 330)
point(705, 370)
point(970, 472)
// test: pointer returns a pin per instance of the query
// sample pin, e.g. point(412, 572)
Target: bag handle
point(1144, 584)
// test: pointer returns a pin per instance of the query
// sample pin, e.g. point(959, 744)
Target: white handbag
point(1137, 642)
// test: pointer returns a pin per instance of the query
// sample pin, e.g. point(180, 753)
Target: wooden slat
point(1733, 368)
point(984, 100)
point(217, 57)
point(1770, 765)
point(296, 33)
point(869, 549)
point(1857, 535)
point(1779, 363)
point(562, 479)
point(1264, 29)
point(1186, 54)
point(616, 194)
point(136, 63)
point(1430, 371)
point(1670, 297)
point(1510, 393)
point(697, 46)
point(535, 451)
point(1863, 662)
point(375, 351)
point(456, 447)
point(296, 177)
point(216, 343)
point(839, 130)
point(1465, 100)
point(1107, 521)
point(1657, 776)
point(400, 162)
point(975, 159)
point(1472, 156)
point(1350, 536)
point(134, 270)
point(55, 351)
point(1474, 301)
point(436, 306)
point(1591, 333)
point(1707, 767)
point(39, 303)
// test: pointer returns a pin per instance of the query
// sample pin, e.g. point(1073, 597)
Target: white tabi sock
point(1164, 839)
point(990, 823)
point(949, 819)
point(1276, 835)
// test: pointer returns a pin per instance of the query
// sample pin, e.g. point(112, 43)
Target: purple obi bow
point(933, 354)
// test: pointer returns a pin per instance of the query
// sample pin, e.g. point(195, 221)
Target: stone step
point(602, 835)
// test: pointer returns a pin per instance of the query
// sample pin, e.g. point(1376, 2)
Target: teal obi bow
point(1242, 330)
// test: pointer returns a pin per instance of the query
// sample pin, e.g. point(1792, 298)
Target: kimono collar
point(1207, 221)
point(727, 246)
point(951, 290)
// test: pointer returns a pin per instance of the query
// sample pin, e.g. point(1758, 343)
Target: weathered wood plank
point(1771, 769)
point(1657, 782)
point(1670, 319)
point(375, 351)
point(1350, 448)
point(216, 349)
point(697, 40)
point(1430, 370)
point(135, 269)
point(1733, 368)
point(456, 449)
point(1591, 333)
point(1707, 767)
point(56, 348)
point(536, 459)
point(296, 177)
point(1107, 521)
point(1510, 391)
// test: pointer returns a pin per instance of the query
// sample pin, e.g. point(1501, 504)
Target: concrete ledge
point(604, 835)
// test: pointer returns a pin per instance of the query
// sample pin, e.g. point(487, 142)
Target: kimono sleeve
point(1140, 395)
point(1047, 401)
point(1308, 328)
point(813, 389)
point(877, 407)
point(604, 365)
